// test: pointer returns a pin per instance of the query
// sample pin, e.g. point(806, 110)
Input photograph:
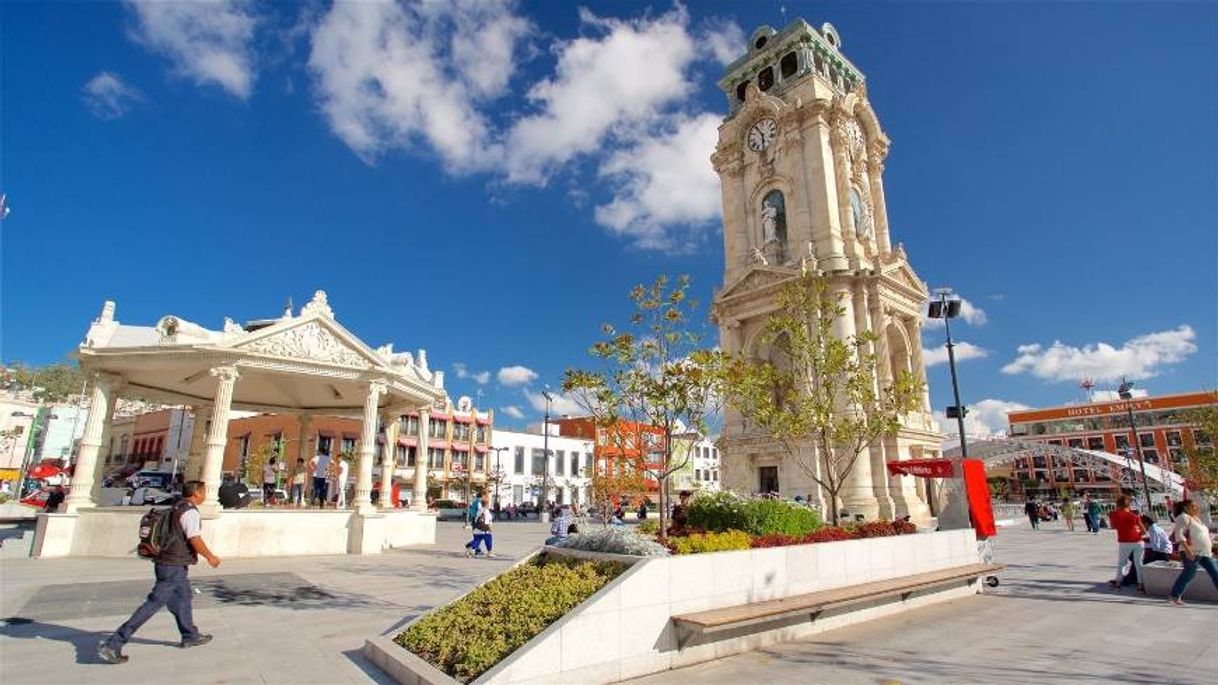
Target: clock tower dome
point(801, 161)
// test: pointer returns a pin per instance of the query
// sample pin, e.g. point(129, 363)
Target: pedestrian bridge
point(1006, 450)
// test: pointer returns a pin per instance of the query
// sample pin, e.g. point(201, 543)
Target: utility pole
point(544, 515)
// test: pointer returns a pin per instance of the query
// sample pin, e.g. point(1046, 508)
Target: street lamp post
point(544, 515)
point(1125, 393)
point(947, 308)
point(498, 471)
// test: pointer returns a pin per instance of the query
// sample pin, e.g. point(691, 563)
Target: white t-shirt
point(323, 461)
point(192, 525)
point(343, 469)
point(1198, 535)
point(268, 474)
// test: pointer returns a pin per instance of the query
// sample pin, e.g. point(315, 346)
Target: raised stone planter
point(625, 630)
point(1159, 576)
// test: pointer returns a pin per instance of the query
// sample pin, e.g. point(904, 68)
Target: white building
point(520, 467)
point(701, 472)
point(65, 424)
point(16, 421)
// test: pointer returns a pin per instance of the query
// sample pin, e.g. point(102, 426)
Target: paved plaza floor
point(304, 620)
point(1052, 620)
point(277, 620)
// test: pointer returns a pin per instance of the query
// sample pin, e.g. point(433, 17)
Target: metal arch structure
point(1004, 450)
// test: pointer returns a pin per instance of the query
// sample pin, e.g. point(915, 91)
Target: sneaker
point(469, 552)
point(195, 641)
point(110, 655)
point(1176, 601)
point(490, 555)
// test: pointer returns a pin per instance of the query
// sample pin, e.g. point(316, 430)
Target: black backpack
point(155, 527)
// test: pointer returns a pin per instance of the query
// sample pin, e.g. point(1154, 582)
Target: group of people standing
point(1140, 540)
point(328, 475)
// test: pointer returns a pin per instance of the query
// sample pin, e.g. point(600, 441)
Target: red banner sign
point(922, 468)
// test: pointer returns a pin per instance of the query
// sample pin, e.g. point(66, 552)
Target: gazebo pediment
point(311, 339)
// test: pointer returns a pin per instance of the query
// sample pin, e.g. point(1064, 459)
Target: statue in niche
point(773, 218)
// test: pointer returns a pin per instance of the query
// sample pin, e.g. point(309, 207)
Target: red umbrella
point(42, 471)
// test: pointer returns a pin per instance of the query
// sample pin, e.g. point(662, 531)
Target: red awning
point(42, 471)
point(922, 468)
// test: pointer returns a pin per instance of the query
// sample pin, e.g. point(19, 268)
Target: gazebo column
point(392, 421)
point(80, 494)
point(367, 447)
point(305, 448)
point(418, 498)
point(198, 442)
point(217, 436)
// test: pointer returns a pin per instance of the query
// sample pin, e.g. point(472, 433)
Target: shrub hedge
point(723, 511)
point(469, 636)
point(615, 540)
point(699, 543)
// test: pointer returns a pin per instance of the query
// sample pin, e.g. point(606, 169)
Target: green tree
point(51, 383)
point(818, 396)
point(1201, 474)
point(653, 373)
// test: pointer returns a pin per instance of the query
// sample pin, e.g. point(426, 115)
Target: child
point(482, 534)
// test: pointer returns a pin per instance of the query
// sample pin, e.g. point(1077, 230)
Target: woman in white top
point(1196, 549)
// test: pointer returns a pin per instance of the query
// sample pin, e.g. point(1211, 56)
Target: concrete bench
point(814, 603)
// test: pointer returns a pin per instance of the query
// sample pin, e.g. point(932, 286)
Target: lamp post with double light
point(947, 307)
point(1125, 392)
point(498, 472)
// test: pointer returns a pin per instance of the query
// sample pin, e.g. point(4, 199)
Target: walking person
point(269, 474)
point(482, 526)
point(1128, 526)
point(1092, 507)
point(172, 589)
point(1196, 549)
point(319, 465)
point(1068, 512)
point(1032, 509)
point(299, 477)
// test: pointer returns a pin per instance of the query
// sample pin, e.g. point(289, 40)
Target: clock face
point(762, 134)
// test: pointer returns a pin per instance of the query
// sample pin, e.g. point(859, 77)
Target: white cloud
point(560, 405)
point(389, 75)
point(1111, 395)
point(969, 312)
point(209, 42)
point(1136, 359)
point(462, 371)
point(620, 78)
point(516, 375)
point(724, 40)
point(512, 411)
point(985, 419)
point(964, 351)
point(108, 97)
point(662, 182)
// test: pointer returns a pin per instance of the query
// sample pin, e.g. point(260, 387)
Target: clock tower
point(801, 161)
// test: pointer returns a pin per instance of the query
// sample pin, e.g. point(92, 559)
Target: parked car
point(449, 509)
point(527, 509)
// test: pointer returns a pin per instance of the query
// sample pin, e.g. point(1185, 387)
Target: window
point(1150, 456)
point(789, 65)
point(461, 431)
point(1038, 462)
point(518, 466)
point(765, 79)
point(1146, 439)
point(245, 446)
point(1177, 456)
point(399, 456)
point(518, 494)
point(479, 461)
point(1122, 442)
point(760, 42)
point(348, 445)
point(574, 464)
point(588, 463)
point(1174, 439)
point(740, 90)
point(1095, 442)
point(482, 434)
point(1081, 476)
point(435, 458)
point(1075, 442)
point(437, 429)
point(560, 460)
point(1200, 437)
point(410, 426)
point(411, 456)
point(539, 462)
point(460, 458)
point(324, 442)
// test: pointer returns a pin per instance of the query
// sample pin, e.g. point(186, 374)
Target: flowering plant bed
point(471, 635)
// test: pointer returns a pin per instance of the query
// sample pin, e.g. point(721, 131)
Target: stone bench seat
point(813, 603)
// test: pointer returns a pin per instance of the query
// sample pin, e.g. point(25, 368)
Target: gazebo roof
point(303, 363)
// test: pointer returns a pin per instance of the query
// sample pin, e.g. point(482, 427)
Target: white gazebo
point(308, 365)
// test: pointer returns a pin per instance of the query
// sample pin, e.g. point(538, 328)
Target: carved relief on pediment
point(309, 341)
point(757, 279)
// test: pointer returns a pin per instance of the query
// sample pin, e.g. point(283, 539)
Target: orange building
point(152, 440)
point(1163, 434)
point(634, 445)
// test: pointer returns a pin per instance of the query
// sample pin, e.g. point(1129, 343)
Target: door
point(768, 477)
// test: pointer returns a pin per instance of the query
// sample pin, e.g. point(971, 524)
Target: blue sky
point(518, 166)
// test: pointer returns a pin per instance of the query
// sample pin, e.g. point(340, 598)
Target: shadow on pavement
point(370, 669)
point(84, 641)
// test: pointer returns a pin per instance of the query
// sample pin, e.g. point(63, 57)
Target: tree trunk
point(663, 511)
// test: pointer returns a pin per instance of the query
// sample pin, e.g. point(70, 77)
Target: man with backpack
point(174, 541)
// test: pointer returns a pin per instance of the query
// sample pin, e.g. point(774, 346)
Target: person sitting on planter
point(561, 526)
point(680, 513)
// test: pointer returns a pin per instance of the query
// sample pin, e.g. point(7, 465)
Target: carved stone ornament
point(225, 373)
point(309, 341)
point(758, 257)
point(854, 137)
point(319, 305)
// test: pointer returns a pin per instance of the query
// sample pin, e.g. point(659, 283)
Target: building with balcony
point(519, 462)
point(1163, 433)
